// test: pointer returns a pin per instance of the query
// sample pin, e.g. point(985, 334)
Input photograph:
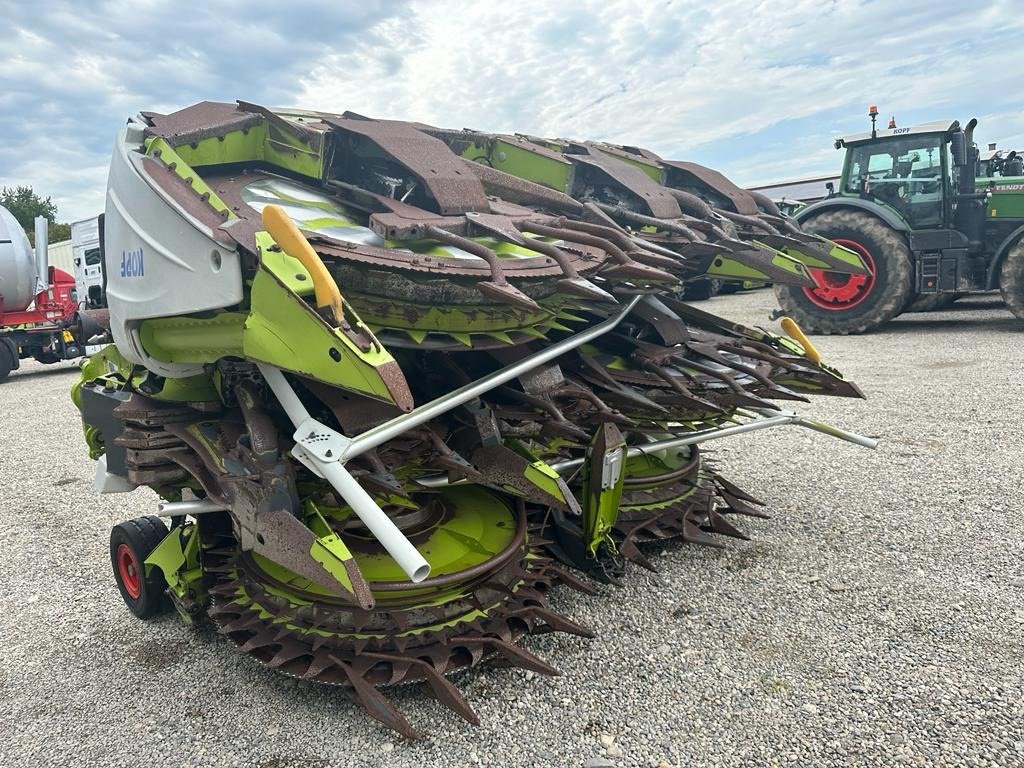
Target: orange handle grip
point(294, 243)
point(790, 327)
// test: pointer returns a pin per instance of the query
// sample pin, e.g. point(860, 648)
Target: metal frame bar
point(194, 507)
point(371, 438)
point(777, 419)
point(770, 419)
point(325, 450)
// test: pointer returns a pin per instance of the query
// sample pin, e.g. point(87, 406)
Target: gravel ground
point(875, 620)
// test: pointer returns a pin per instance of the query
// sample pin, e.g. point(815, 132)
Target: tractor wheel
point(1011, 280)
point(842, 304)
point(700, 290)
point(932, 302)
point(130, 545)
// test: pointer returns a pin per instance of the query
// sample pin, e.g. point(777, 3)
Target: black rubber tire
point(729, 287)
point(6, 363)
point(140, 536)
point(1011, 279)
point(701, 290)
point(892, 288)
point(931, 302)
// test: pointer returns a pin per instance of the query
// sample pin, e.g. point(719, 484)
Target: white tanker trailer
point(40, 317)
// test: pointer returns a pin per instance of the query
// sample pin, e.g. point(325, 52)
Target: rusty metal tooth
point(629, 550)
point(571, 580)
point(512, 654)
point(319, 641)
point(557, 621)
point(245, 622)
point(288, 652)
point(740, 507)
point(572, 283)
point(222, 609)
point(735, 491)
point(558, 420)
point(602, 225)
point(375, 703)
point(666, 225)
point(693, 534)
point(444, 691)
point(321, 661)
point(624, 265)
point(678, 386)
point(497, 287)
point(225, 589)
point(718, 524)
point(282, 633)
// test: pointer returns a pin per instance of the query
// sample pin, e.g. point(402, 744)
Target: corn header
point(394, 383)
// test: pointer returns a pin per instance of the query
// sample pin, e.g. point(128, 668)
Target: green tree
point(24, 204)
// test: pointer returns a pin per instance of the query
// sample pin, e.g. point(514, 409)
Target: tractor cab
point(908, 170)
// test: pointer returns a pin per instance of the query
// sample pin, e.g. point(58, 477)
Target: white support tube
point(373, 517)
point(391, 429)
point(386, 532)
point(42, 255)
point(771, 419)
point(842, 434)
point(696, 437)
point(194, 507)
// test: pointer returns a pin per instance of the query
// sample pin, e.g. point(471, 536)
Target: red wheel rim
point(128, 571)
point(837, 292)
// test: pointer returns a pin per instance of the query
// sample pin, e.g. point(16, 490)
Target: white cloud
point(758, 89)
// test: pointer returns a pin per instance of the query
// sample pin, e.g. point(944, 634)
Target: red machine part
point(53, 307)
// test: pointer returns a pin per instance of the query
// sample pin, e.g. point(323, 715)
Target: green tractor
point(912, 204)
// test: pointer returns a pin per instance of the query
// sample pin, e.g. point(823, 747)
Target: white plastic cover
point(160, 261)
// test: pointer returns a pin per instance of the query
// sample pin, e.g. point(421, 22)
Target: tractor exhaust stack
point(42, 256)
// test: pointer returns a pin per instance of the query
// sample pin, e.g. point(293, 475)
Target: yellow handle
point(294, 243)
point(789, 326)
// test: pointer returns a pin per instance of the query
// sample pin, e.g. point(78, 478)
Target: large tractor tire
point(1011, 279)
point(843, 304)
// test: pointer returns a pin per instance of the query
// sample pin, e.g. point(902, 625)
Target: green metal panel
point(731, 269)
point(158, 147)
point(652, 169)
point(255, 144)
point(1007, 201)
point(604, 474)
point(519, 161)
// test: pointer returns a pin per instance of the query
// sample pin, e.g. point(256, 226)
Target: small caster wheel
point(130, 545)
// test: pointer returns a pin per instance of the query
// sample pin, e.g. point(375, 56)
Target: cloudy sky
point(755, 89)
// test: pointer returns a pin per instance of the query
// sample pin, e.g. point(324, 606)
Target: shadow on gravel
point(941, 322)
point(39, 373)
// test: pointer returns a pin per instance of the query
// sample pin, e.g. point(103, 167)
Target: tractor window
point(93, 256)
point(903, 173)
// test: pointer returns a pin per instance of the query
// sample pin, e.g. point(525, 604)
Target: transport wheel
point(130, 545)
point(1011, 279)
point(842, 304)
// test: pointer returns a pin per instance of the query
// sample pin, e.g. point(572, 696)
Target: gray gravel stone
point(925, 533)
